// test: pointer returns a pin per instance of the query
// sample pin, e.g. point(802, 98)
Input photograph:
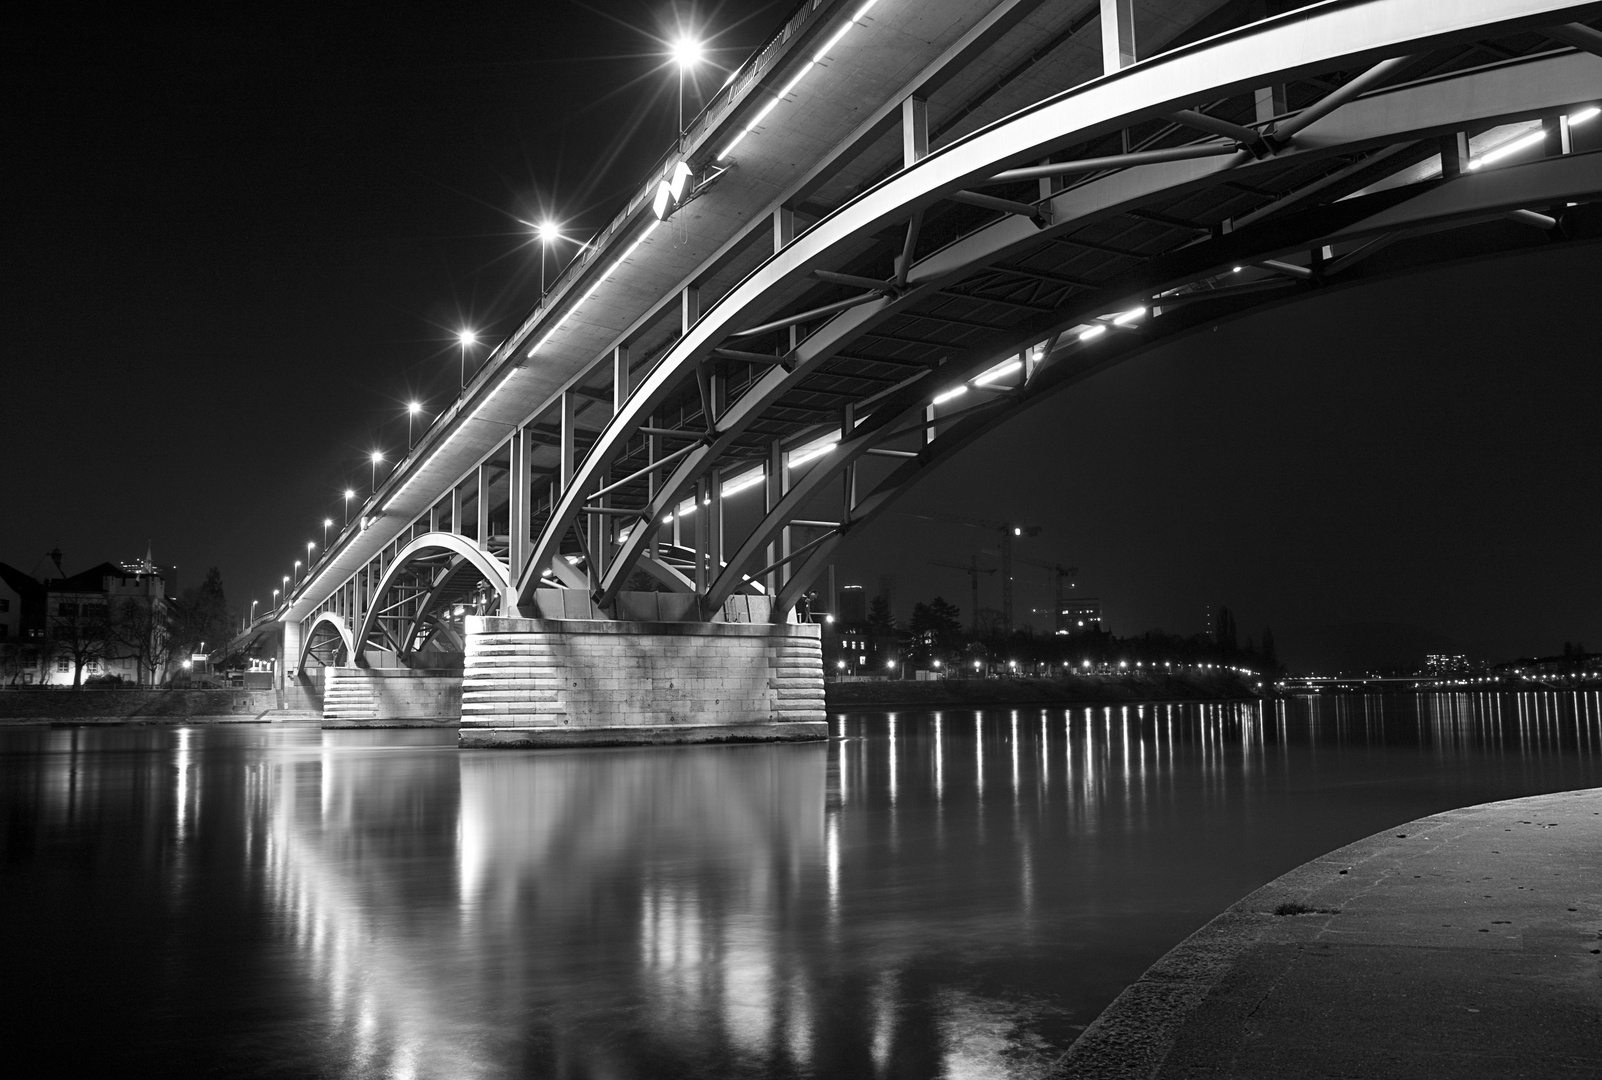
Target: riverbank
point(1072, 690)
point(1465, 944)
point(93, 706)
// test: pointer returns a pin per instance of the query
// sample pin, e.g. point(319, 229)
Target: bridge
point(898, 225)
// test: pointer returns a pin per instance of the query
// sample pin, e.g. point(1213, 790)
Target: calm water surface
point(929, 894)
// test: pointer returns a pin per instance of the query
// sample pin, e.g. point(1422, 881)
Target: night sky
point(235, 247)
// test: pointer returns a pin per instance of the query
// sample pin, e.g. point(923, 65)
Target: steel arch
point(334, 624)
point(464, 553)
point(1340, 34)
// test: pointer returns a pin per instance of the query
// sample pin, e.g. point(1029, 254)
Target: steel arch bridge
point(864, 266)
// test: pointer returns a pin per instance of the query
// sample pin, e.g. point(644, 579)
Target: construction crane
point(973, 571)
point(1009, 531)
point(1059, 574)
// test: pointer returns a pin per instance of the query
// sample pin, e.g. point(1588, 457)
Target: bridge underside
point(935, 271)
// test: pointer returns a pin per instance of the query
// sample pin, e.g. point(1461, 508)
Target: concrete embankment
point(1466, 944)
point(1073, 690)
point(87, 706)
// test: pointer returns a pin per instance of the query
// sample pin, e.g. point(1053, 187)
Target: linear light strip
point(789, 87)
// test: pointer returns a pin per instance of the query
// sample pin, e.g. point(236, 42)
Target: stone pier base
point(573, 682)
point(356, 697)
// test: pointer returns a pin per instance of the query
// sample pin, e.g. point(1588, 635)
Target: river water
point(949, 893)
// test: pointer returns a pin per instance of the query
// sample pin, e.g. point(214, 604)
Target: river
point(932, 893)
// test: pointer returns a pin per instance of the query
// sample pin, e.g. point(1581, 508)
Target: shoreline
point(1468, 942)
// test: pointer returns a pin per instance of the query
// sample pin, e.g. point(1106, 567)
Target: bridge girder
point(1335, 37)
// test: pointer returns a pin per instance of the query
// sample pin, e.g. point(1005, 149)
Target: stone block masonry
point(567, 682)
point(390, 697)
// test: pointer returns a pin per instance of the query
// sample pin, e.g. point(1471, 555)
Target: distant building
point(1446, 664)
point(852, 604)
point(109, 619)
point(1079, 616)
point(22, 621)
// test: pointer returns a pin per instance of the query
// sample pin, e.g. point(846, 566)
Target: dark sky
point(235, 246)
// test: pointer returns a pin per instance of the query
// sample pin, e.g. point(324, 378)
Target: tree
point(1270, 657)
point(144, 626)
point(880, 621)
point(203, 616)
point(80, 631)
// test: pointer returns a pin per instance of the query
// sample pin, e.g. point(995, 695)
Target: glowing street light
point(310, 547)
point(350, 493)
point(377, 456)
point(687, 52)
point(275, 598)
point(295, 573)
point(412, 409)
point(326, 523)
point(465, 338)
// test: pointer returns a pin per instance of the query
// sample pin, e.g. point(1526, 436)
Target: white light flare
point(1093, 332)
point(954, 392)
point(1000, 371)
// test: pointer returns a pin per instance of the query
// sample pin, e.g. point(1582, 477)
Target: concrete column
point(1117, 35)
point(620, 378)
point(483, 507)
point(456, 511)
point(1454, 154)
point(771, 474)
point(689, 308)
point(569, 411)
point(1270, 102)
point(783, 228)
point(914, 131)
point(702, 536)
point(518, 516)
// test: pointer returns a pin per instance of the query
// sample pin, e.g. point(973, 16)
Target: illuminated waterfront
point(933, 893)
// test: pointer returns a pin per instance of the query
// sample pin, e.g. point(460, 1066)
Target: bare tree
point(80, 630)
point(143, 626)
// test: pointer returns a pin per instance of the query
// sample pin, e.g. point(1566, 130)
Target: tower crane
point(973, 571)
point(1060, 574)
point(1009, 531)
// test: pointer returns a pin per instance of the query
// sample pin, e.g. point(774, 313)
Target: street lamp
point(377, 456)
point(412, 409)
point(466, 338)
point(349, 495)
point(687, 52)
point(252, 619)
point(295, 573)
point(310, 547)
point(326, 523)
point(549, 233)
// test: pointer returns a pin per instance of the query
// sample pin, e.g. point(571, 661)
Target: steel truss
point(1273, 194)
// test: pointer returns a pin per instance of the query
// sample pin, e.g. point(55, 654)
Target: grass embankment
point(1070, 690)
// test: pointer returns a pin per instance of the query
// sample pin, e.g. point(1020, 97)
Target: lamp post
point(294, 574)
point(466, 338)
point(311, 546)
point(326, 523)
point(377, 456)
point(350, 494)
point(686, 54)
point(252, 618)
point(412, 409)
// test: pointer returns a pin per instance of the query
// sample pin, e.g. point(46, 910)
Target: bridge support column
point(564, 682)
point(391, 697)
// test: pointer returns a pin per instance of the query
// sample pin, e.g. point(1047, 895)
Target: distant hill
point(1355, 647)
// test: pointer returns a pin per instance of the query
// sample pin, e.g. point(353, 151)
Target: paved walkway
point(1467, 944)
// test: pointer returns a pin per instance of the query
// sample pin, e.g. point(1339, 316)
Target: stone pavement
point(1467, 944)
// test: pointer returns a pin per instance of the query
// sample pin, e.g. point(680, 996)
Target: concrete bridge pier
point(388, 697)
point(572, 682)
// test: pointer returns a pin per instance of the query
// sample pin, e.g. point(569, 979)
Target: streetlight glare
point(377, 456)
point(467, 337)
point(414, 407)
point(549, 231)
point(350, 493)
point(687, 52)
point(328, 523)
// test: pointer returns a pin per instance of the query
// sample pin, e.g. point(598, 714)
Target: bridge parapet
point(538, 682)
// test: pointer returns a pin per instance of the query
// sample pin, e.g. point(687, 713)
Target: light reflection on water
point(950, 893)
